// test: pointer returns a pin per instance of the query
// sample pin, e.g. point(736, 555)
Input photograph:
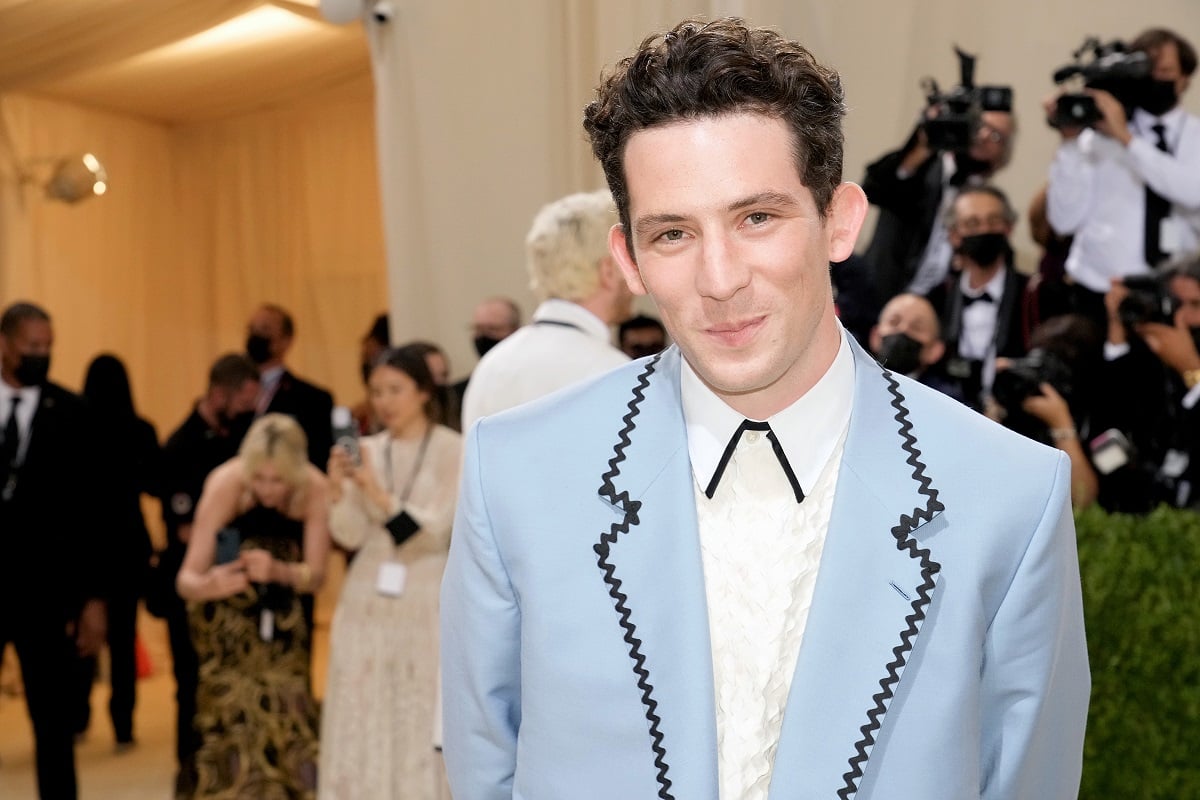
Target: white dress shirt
point(977, 340)
point(761, 551)
point(1097, 194)
point(30, 395)
point(564, 343)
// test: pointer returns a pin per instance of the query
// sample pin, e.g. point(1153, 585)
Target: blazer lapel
point(872, 592)
point(649, 561)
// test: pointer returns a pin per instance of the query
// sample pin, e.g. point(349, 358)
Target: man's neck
point(267, 366)
point(979, 277)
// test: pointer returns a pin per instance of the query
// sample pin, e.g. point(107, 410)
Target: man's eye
point(673, 235)
point(758, 217)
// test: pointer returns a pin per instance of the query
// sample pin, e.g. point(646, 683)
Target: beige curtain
point(201, 223)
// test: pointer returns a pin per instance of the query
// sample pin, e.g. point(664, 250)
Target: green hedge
point(1142, 609)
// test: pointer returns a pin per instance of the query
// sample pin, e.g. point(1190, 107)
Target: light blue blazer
point(944, 654)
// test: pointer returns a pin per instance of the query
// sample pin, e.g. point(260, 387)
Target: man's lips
point(737, 331)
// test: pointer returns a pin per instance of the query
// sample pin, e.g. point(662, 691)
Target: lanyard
point(412, 478)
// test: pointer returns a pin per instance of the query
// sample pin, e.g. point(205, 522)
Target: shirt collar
point(271, 376)
point(808, 429)
point(564, 312)
point(994, 287)
point(1144, 121)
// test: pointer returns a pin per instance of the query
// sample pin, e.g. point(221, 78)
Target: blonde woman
point(260, 538)
point(394, 505)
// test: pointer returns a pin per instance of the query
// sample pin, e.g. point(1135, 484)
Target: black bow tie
point(749, 425)
point(983, 298)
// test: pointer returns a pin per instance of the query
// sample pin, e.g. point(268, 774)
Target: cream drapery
point(199, 225)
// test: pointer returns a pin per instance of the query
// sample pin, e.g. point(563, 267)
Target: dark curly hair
point(705, 69)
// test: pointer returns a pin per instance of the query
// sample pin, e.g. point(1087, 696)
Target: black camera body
point(1025, 376)
point(953, 117)
point(1111, 68)
point(1148, 301)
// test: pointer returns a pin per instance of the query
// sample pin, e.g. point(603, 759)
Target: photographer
point(913, 187)
point(1152, 390)
point(984, 304)
point(1047, 395)
point(1128, 187)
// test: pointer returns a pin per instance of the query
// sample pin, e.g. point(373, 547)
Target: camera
point(1025, 376)
point(1109, 67)
point(953, 117)
point(1148, 301)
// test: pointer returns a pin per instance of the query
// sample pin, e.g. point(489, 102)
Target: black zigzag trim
point(929, 568)
point(631, 508)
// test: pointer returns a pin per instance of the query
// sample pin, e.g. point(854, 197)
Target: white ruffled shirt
point(761, 551)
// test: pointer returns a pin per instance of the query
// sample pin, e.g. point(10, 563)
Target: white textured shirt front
point(761, 551)
point(1097, 192)
point(564, 343)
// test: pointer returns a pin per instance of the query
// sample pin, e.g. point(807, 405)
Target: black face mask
point(32, 370)
point(1158, 98)
point(258, 347)
point(642, 350)
point(484, 343)
point(900, 352)
point(985, 248)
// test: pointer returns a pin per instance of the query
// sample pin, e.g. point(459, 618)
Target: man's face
point(243, 400)
point(1166, 67)
point(492, 319)
point(1187, 292)
point(975, 213)
point(914, 317)
point(732, 249)
point(33, 337)
point(268, 324)
point(992, 138)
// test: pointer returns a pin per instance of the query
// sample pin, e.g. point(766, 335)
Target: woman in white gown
point(394, 505)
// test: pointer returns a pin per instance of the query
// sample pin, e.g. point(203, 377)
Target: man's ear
point(618, 248)
point(847, 211)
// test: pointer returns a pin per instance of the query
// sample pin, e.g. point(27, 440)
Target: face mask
point(1159, 97)
point(985, 248)
point(258, 347)
point(642, 350)
point(32, 370)
point(900, 353)
point(484, 343)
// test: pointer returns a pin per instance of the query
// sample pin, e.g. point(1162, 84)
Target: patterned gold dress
point(255, 712)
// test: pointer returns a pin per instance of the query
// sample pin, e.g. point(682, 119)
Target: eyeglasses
point(990, 134)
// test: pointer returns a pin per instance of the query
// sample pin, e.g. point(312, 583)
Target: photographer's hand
point(1113, 121)
point(1173, 344)
point(1050, 107)
point(1112, 304)
point(1050, 408)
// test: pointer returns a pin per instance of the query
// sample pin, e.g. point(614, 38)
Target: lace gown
point(255, 712)
point(378, 716)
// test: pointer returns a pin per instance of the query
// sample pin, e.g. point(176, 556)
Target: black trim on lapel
point(630, 508)
point(904, 541)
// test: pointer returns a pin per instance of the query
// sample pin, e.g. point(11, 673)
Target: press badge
point(1170, 235)
point(391, 579)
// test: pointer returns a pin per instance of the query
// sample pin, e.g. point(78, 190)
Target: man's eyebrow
point(643, 225)
point(767, 198)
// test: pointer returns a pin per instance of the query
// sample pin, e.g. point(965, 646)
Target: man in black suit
point(913, 187)
point(52, 574)
point(269, 337)
point(984, 304)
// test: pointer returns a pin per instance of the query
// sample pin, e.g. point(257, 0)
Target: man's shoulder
point(305, 389)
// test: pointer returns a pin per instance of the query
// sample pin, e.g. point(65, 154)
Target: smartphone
point(229, 545)
point(345, 434)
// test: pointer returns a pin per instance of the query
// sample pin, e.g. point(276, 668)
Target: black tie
point(983, 298)
point(12, 436)
point(750, 425)
point(1158, 208)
